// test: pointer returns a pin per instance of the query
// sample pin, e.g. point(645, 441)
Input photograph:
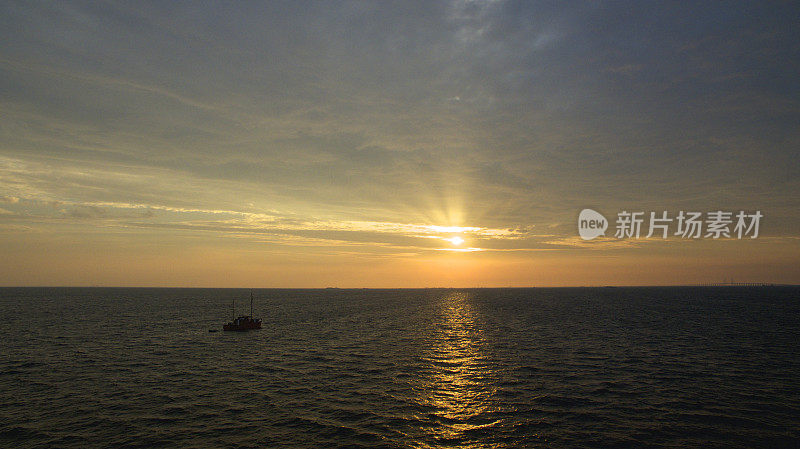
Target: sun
point(455, 240)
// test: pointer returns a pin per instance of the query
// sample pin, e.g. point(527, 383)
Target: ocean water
point(582, 367)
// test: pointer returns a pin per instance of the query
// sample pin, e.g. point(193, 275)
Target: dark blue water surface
point(583, 367)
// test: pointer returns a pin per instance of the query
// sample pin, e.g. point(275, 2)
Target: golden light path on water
point(459, 385)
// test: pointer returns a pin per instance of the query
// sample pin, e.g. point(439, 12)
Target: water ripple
point(697, 367)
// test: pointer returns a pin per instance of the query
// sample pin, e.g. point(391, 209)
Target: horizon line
point(709, 284)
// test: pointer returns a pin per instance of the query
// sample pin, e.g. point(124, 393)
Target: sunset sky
point(393, 144)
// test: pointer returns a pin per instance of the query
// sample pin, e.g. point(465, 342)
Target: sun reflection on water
point(459, 384)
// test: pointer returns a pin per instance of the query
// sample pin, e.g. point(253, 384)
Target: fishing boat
point(244, 322)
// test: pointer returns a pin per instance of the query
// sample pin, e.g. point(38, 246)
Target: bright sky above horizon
point(393, 144)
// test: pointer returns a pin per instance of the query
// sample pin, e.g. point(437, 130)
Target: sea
point(698, 367)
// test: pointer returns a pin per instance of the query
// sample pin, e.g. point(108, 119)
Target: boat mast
point(233, 309)
point(251, 303)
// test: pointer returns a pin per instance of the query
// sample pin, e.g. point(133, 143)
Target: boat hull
point(242, 324)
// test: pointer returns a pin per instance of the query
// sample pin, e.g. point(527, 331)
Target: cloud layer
point(369, 124)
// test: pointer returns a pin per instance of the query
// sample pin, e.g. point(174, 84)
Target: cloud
point(95, 212)
point(371, 124)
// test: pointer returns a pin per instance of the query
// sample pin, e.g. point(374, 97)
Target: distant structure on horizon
point(726, 283)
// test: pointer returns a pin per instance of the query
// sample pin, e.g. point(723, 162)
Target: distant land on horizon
point(742, 284)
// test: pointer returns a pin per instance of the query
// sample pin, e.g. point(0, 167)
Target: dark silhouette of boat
point(244, 322)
